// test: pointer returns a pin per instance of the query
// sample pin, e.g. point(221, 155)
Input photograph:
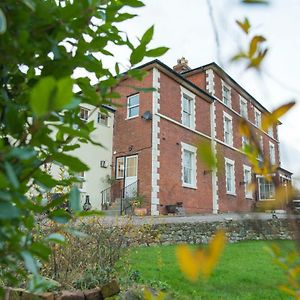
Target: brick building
point(156, 136)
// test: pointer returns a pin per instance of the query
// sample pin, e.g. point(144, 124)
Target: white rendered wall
point(95, 178)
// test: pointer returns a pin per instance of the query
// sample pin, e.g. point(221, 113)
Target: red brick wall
point(171, 189)
point(170, 104)
point(135, 133)
point(199, 79)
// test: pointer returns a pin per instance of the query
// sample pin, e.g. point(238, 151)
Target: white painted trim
point(214, 177)
point(257, 112)
point(137, 105)
point(230, 162)
point(226, 85)
point(155, 143)
point(210, 82)
point(248, 194)
point(229, 117)
point(183, 91)
point(193, 150)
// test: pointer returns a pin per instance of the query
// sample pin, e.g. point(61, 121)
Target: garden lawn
point(245, 271)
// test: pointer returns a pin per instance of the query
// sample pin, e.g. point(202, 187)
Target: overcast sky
point(186, 28)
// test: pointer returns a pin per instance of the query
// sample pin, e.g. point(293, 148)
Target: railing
point(108, 196)
point(125, 194)
point(128, 193)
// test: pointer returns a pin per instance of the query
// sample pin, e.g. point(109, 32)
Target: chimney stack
point(182, 65)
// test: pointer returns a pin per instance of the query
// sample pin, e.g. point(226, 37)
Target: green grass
point(245, 271)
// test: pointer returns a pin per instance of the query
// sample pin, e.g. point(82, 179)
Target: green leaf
point(147, 36)
point(64, 93)
point(56, 238)
point(2, 22)
point(133, 3)
point(156, 52)
point(138, 54)
point(29, 262)
point(40, 250)
point(30, 4)
point(41, 95)
point(8, 211)
point(11, 175)
point(74, 198)
point(74, 163)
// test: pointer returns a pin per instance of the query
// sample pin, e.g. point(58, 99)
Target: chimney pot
point(182, 65)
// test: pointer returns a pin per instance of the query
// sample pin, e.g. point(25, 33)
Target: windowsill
point(249, 197)
point(189, 186)
point(107, 126)
point(267, 199)
point(188, 127)
point(129, 118)
point(231, 193)
point(230, 145)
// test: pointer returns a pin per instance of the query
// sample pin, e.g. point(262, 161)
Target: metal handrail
point(123, 207)
point(106, 196)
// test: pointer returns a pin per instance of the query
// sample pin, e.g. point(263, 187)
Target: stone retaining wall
point(201, 232)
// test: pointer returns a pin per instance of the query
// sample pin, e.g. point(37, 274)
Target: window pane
point(186, 119)
point(186, 104)
point(102, 119)
point(131, 166)
point(134, 100)
point(120, 167)
point(134, 111)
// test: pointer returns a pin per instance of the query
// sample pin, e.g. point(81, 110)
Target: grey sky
point(185, 27)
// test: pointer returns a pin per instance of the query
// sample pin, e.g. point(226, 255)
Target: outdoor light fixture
point(207, 172)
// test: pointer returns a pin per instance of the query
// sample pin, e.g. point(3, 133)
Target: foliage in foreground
point(41, 44)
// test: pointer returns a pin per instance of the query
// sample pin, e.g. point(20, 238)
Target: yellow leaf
point(245, 25)
point(206, 154)
point(196, 262)
point(254, 44)
point(272, 119)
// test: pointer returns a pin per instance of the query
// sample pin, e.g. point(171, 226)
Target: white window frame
point(192, 99)
point(248, 192)
point(231, 163)
point(133, 106)
point(261, 144)
point(80, 185)
point(86, 113)
point(193, 150)
point(245, 142)
point(225, 85)
point(100, 117)
point(271, 131)
point(257, 117)
point(259, 188)
point(117, 171)
point(228, 117)
point(243, 103)
point(272, 153)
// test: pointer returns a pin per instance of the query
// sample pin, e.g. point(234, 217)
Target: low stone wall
point(241, 230)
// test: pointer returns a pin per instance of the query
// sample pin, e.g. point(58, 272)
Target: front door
point(131, 165)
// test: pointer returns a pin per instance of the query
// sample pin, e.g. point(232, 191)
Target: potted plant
point(136, 204)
